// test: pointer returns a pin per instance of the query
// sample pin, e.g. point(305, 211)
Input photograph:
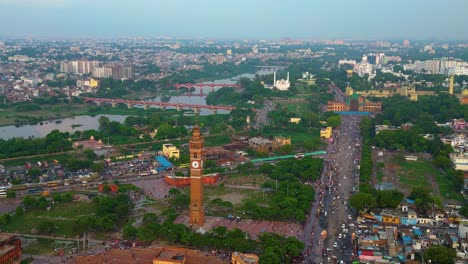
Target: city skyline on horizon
point(209, 19)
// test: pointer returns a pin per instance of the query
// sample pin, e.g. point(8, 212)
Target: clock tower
point(197, 213)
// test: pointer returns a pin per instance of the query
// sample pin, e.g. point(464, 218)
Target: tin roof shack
point(452, 241)
point(372, 241)
point(392, 243)
point(406, 237)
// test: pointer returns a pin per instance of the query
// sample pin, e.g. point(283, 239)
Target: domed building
point(282, 85)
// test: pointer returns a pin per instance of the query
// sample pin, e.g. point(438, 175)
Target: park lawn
point(238, 198)
point(415, 173)
point(446, 188)
point(46, 247)
point(295, 107)
point(62, 215)
point(156, 207)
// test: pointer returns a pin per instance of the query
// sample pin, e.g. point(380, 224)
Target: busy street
point(330, 211)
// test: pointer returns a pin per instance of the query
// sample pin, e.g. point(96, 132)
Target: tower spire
point(197, 211)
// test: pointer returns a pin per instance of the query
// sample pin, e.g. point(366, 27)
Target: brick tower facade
point(197, 213)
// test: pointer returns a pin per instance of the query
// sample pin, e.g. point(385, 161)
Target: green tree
point(130, 232)
point(29, 202)
point(34, 172)
point(4, 219)
point(464, 210)
point(334, 121)
point(97, 167)
point(19, 210)
point(10, 194)
point(270, 256)
point(442, 162)
point(311, 119)
point(105, 223)
point(174, 192)
point(149, 218)
point(362, 200)
point(440, 255)
point(266, 168)
point(389, 199)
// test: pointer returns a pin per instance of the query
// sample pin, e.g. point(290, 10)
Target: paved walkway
point(253, 227)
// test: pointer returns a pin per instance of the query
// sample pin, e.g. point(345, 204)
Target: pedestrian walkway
point(253, 227)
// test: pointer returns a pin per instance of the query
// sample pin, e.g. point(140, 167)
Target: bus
point(3, 190)
point(18, 187)
point(299, 155)
point(35, 190)
point(52, 184)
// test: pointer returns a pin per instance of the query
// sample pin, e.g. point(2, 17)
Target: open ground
point(391, 169)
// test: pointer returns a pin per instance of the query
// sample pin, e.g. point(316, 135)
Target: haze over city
point(366, 19)
point(234, 132)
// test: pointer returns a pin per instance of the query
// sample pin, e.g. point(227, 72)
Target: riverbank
point(9, 117)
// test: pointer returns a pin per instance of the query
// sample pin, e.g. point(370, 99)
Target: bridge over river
point(163, 105)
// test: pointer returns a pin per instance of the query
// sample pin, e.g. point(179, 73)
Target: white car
point(335, 245)
point(340, 236)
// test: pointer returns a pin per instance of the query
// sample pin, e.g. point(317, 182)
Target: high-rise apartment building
point(78, 66)
point(102, 72)
point(116, 72)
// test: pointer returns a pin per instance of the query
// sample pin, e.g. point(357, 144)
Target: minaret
point(274, 78)
point(287, 78)
point(197, 210)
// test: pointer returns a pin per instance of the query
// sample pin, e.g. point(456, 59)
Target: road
point(330, 208)
point(261, 117)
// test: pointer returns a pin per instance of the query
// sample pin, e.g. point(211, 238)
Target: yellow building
point(281, 141)
point(239, 258)
point(390, 219)
point(93, 83)
point(326, 132)
point(295, 120)
point(405, 90)
point(170, 151)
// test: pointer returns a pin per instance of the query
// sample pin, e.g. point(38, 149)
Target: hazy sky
point(307, 19)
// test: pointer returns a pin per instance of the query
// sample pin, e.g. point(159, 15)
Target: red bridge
point(162, 105)
point(212, 86)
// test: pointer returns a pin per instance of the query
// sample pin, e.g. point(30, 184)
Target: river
point(81, 123)
point(78, 123)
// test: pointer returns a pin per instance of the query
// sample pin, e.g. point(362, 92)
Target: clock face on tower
point(195, 164)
